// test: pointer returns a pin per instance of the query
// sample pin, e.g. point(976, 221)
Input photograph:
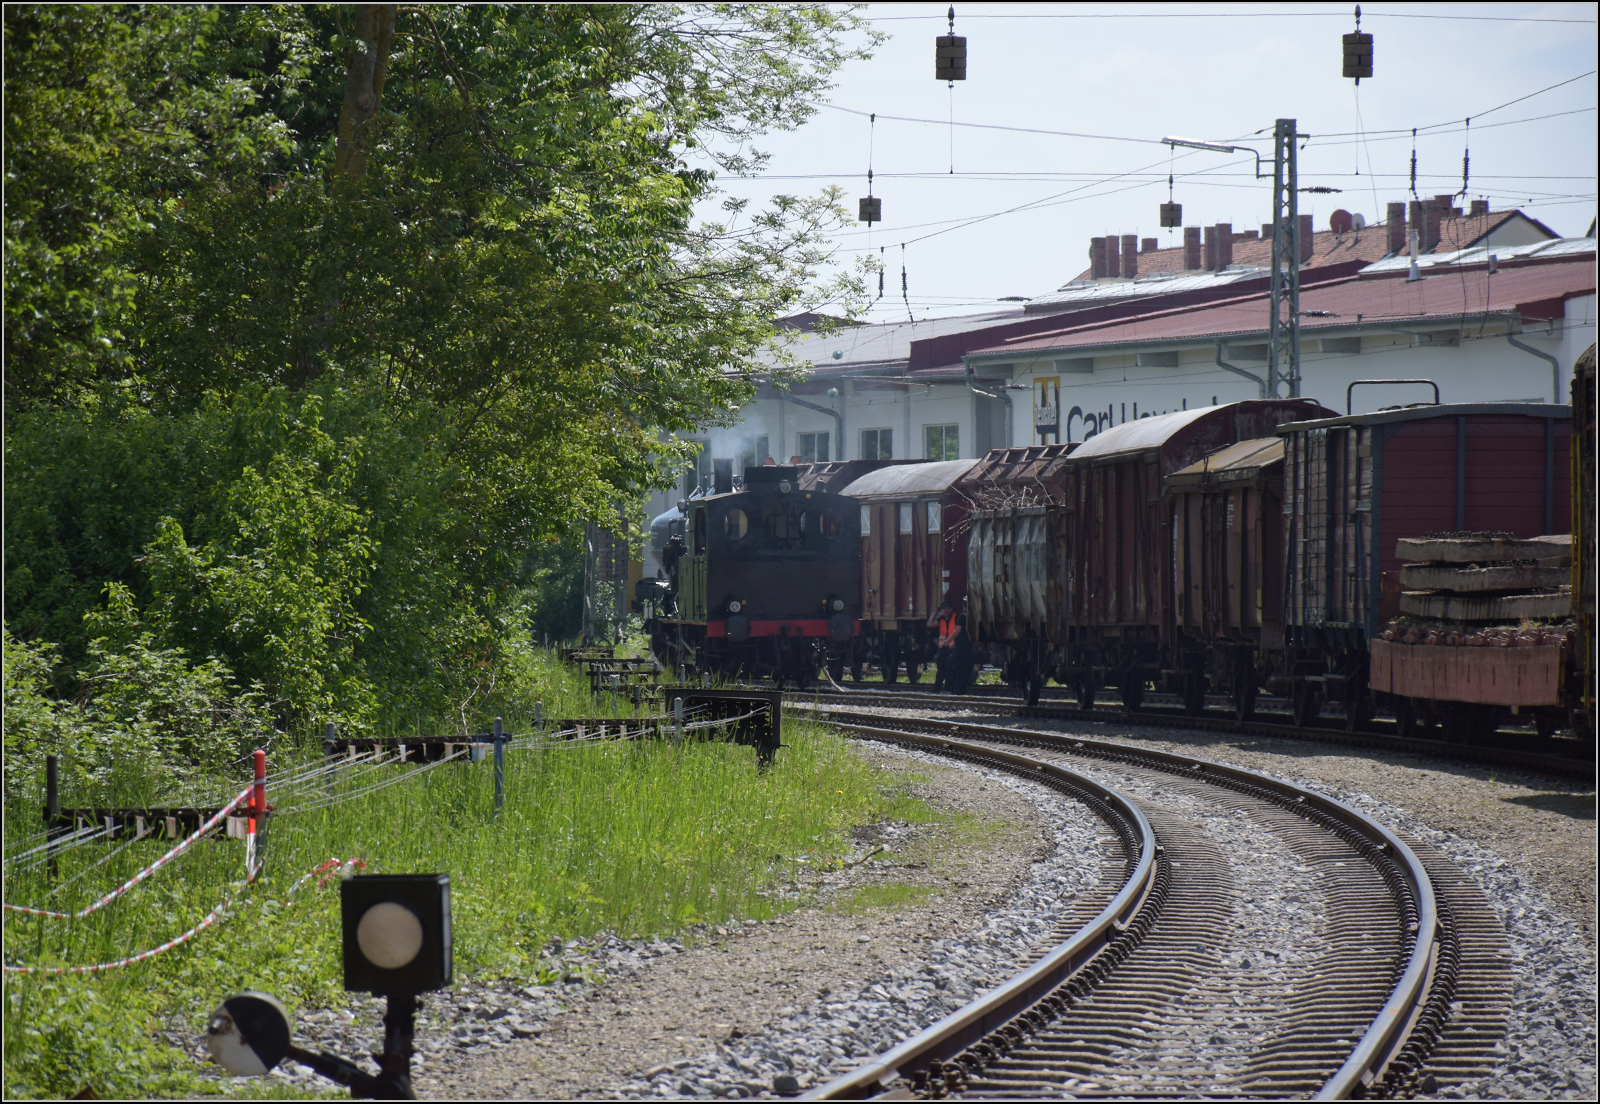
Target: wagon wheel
point(836, 670)
point(1032, 683)
point(1306, 704)
point(891, 671)
point(913, 671)
point(1244, 698)
point(1132, 690)
point(1358, 710)
point(856, 672)
point(1407, 725)
point(1194, 695)
point(1086, 693)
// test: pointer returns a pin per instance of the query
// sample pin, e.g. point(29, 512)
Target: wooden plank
point(1484, 676)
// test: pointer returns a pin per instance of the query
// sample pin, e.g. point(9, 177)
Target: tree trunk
point(367, 62)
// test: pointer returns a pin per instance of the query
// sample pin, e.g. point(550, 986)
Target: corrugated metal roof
point(1137, 436)
point(934, 477)
point(885, 344)
point(1246, 457)
point(1479, 254)
point(1428, 410)
point(1105, 291)
point(1443, 297)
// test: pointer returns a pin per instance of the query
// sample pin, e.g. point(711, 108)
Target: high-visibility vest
point(947, 631)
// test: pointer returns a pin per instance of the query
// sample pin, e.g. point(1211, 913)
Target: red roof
point(1370, 244)
point(1535, 292)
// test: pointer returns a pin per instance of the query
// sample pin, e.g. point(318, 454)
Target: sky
point(1121, 77)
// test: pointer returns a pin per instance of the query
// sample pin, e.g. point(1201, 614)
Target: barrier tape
point(180, 848)
point(211, 918)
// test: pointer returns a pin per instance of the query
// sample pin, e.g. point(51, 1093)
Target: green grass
point(637, 838)
point(888, 896)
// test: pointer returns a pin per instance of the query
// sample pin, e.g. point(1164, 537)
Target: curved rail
point(1384, 1038)
point(968, 1025)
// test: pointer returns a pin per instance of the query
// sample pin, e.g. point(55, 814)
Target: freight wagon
point(1356, 486)
point(913, 557)
point(1227, 568)
point(1015, 567)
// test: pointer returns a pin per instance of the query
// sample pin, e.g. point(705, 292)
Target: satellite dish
point(249, 1034)
point(1359, 222)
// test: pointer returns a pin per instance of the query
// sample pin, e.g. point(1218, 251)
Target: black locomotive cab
point(767, 581)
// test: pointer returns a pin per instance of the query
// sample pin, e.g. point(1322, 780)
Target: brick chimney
point(1480, 209)
point(1266, 231)
point(1149, 245)
point(1224, 245)
point(1395, 223)
point(1308, 241)
point(1211, 249)
point(1097, 258)
point(1191, 247)
point(1130, 256)
point(1113, 257)
point(1446, 205)
point(1432, 216)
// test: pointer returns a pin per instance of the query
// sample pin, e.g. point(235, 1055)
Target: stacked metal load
point(1486, 577)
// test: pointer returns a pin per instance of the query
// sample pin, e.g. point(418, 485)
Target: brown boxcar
point(1227, 566)
point(913, 532)
point(1355, 485)
point(1120, 624)
point(1584, 480)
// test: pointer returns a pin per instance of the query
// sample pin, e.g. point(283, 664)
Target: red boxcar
point(1356, 485)
point(913, 534)
point(1120, 624)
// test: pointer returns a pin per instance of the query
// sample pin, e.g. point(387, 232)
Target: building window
point(905, 517)
point(877, 444)
point(935, 517)
point(943, 441)
point(1047, 410)
point(813, 447)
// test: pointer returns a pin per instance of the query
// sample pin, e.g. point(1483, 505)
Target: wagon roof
point(1422, 411)
point(1239, 462)
point(1035, 466)
point(934, 477)
point(1137, 436)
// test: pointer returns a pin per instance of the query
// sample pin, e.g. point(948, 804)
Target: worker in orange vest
point(944, 620)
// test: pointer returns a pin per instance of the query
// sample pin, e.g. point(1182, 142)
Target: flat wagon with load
point(1357, 487)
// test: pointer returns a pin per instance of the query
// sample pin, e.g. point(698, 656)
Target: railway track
point(1578, 763)
point(1155, 994)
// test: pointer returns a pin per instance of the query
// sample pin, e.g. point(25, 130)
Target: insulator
point(1358, 55)
point(1171, 214)
point(871, 209)
point(950, 58)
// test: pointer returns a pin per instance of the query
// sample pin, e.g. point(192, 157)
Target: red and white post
point(258, 810)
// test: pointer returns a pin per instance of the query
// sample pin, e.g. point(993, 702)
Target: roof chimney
point(1130, 256)
point(1149, 245)
point(1480, 208)
point(1224, 245)
point(1191, 247)
point(1396, 225)
point(1308, 241)
point(1113, 257)
point(1211, 249)
point(1097, 258)
point(1431, 217)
